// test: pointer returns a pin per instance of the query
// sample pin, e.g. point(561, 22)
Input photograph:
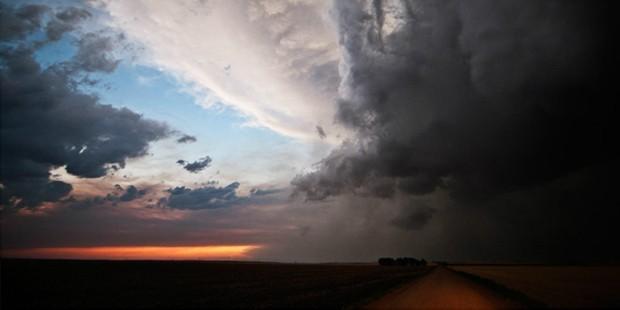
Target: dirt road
point(443, 289)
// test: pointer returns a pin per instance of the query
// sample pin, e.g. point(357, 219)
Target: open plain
point(556, 286)
point(73, 284)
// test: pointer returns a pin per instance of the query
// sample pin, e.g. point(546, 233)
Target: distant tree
point(401, 261)
point(407, 261)
point(387, 261)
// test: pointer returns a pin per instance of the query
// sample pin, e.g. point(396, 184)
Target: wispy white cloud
point(275, 61)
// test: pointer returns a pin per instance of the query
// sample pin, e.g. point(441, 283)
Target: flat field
point(556, 286)
point(175, 284)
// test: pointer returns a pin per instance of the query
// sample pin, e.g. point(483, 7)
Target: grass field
point(160, 284)
point(556, 286)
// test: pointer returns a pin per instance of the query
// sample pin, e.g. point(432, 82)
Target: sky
point(312, 131)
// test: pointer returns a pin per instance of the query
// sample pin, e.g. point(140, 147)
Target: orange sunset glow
point(209, 252)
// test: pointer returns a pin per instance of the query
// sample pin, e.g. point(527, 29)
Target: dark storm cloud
point(416, 219)
point(120, 195)
point(480, 98)
point(73, 15)
point(197, 166)
point(34, 189)
point(47, 122)
point(94, 54)
point(64, 21)
point(187, 139)
point(211, 196)
point(483, 100)
point(132, 193)
point(208, 197)
point(15, 24)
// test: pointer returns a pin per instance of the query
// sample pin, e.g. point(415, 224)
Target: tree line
point(401, 261)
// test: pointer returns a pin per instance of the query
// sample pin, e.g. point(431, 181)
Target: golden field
point(556, 286)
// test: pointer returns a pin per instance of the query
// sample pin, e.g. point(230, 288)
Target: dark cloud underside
point(208, 197)
point(186, 139)
point(47, 122)
point(485, 100)
point(196, 166)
